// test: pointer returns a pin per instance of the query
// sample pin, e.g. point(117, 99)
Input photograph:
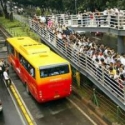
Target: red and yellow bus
point(47, 76)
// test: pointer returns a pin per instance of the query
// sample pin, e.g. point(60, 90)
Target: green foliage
point(69, 5)
point(38, 11)
point(8, 23)
point(16, 28)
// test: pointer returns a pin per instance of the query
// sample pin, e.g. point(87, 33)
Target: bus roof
point(36, 53)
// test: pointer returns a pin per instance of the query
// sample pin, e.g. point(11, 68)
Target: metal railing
point(85, 20)
point(83, 61)
point(91, 20)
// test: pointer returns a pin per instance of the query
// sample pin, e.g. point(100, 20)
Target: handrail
point(86, 20)
point(91, 19)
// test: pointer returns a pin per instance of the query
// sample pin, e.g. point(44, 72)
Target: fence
point(83, 61)
point(91, 20)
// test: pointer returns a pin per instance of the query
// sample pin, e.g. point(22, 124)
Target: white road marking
point(24, 105)
point(82, 112)
point(20, 115)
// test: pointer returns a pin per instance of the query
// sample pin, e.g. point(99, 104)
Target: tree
point(4, 7)
point(38, 11)
point(69, 5)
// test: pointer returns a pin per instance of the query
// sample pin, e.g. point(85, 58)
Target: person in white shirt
point(6, 77)
point(42, 19)
point(79, 18)
point(32, 71)
point(121, 17)
point(105, 15)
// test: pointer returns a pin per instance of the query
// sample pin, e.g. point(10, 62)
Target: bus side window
point(31, 70)
point(20, 58)
point(62, 71)
point(27, 65)
point(10, 49)
point(43, 73)
point(23, 62)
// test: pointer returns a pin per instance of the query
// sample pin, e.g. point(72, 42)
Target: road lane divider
point(28, 117)
point(16, 106)
point(86, 115)
point(22, 106)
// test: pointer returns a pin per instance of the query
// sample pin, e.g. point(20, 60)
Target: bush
point(38, 11)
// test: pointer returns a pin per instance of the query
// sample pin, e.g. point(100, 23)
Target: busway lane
point(14, 111)
point(23, 108)
point(10, 114)
point(59, 112)
point(19, 103)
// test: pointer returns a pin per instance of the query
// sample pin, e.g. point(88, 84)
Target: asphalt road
point(59, 112)
point(9, 115)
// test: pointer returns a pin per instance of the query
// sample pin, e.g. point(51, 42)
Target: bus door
point(32, 81)
point(11, 53)
point(22, 72)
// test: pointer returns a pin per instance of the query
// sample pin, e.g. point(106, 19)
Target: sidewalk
point(92, 110)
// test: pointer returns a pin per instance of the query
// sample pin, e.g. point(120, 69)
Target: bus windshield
point(54, 70)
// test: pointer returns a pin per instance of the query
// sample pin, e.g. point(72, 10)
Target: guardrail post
point(118, 114)
point(103, 81)
point(118, 22)
point(77, 76)
point(124, 95)
point(54, 40)
point(86, 61)
point(64, 20)
point(49, 36)
point(71, 20)
point(94, 98)
point(73, 75)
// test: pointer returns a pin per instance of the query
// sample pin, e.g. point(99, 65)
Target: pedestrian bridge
point(90, 22)
point(83, 64)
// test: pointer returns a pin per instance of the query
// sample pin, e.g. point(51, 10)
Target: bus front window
point(54, 70)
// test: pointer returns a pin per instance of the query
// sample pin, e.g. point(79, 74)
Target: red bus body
point(42, 89)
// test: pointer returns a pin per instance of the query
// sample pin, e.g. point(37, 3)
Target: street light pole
point(76, 6)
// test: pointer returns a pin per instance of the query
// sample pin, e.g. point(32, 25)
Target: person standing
point(1, 75)
point(1, 67)
point(97, 17)
point(6, 77)
point(77, 77)
point(79, 16)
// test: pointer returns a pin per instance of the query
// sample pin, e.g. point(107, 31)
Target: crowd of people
point(113, 17)
point(109, 16)
point(102, 56)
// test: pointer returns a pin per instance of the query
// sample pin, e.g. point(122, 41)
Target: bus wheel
point(27, 89)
